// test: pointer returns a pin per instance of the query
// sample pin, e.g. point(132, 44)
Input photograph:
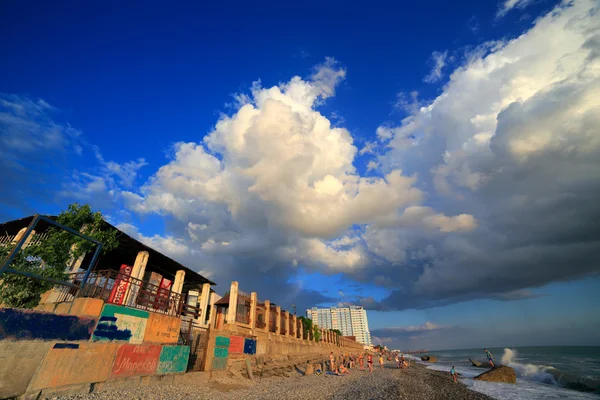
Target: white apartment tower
point(351, 321)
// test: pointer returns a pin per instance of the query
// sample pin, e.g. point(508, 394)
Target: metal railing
point(116, 288)
point(261, 316)
point(242, 313)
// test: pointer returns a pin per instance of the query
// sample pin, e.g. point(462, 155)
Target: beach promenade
point(389, 383)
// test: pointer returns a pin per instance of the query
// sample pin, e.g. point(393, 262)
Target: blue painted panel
point(21, 324)
point(249, 346)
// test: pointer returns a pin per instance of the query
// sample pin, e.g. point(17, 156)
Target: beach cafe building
point(133, 274)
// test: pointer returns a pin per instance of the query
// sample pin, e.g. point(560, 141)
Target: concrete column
point(253, 301)
point(204, 299)
point(295, 326)
point(19, 236)
point(278, 326)
point(267, 315)
point(179, 279)
point(233, 298)
point(287, 324)
point(137, 272)
point(301, 330)
point(139, 266)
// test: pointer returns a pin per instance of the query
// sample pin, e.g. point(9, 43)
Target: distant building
point(351, 321)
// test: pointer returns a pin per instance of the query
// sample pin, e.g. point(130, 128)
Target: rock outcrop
point(478, 364)
point(498, 374)
point(431, 359)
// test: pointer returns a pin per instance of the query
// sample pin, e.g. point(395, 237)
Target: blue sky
point(434, 162)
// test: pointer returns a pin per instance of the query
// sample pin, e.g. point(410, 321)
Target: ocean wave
point(549, 375)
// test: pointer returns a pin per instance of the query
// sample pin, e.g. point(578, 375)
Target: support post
point(287, 323)
point(295, 326)
point(267, 315)
point(204, 299)
point(137, 272)
point(278, 325)
point(178, 284)
point(253, 301)
point(233, 299)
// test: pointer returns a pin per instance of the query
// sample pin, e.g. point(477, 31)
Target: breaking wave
point(549, 375)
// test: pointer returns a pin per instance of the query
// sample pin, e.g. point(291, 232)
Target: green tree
point(307, 326)
point(336, 331)
point(50, 257)
point(316, 333)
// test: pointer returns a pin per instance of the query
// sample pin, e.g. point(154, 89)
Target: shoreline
point(415, 383)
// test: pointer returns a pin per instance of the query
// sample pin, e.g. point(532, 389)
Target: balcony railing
point(116, 288)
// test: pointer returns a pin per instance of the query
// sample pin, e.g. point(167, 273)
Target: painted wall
point(133, 360)
point(121, 323)
point(74, 363)
point(21, 324)
point(173, 359)
point(18, 363)
point(162, 329)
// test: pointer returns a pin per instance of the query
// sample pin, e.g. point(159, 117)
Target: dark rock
point(498, 374)
point(429, 358)
point(478, 364)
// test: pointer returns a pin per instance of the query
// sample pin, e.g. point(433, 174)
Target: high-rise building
point(351, 321)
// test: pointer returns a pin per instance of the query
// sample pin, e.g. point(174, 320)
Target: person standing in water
point(454, 375)
point(489, 356)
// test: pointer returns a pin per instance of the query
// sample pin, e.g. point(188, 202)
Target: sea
point(555, 372)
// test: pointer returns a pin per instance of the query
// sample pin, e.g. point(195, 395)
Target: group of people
point(454, 374)
point(343, 363)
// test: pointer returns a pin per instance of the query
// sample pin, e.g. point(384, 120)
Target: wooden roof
point(125, 253)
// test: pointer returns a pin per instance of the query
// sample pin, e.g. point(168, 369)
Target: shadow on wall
point(20, 324)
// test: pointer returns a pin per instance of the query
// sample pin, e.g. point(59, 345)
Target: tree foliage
point(50, 257)
point(316, 333)
point(336, 331)
point(307, 326)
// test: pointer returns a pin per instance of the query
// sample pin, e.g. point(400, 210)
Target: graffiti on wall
point(121, 323)
point(221, 353)
point(19, 324)
point(162, 329)
point(173, 359)
point(134, 360)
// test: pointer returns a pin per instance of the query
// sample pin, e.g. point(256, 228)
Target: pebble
point(415, 383)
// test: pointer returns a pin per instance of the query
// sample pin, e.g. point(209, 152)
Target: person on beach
point(454, 374)
point(381, 361)
point(370, 362)
point(403, 362)
point(489, 356)
point(397, 361)
point(361, 361)
point(331, 362)
point(343, 370)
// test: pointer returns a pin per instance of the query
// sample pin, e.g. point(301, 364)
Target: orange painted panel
point(73, 363)
point(162, 328)
point(136, 360)
point(236, 344)
point(87, 306)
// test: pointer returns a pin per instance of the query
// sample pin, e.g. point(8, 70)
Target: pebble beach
point(416, 383)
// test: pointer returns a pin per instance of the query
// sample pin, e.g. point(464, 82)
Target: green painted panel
point(219, 364)
point(173, 359)
point(221, 352)
point(222, 341)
